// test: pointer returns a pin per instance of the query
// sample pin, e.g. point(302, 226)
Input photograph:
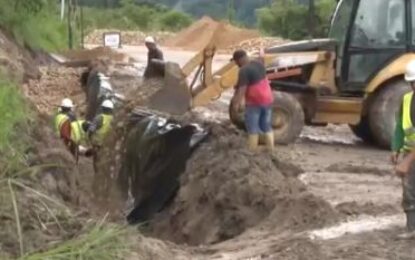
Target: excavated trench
point(197, 185)
point(190, 187)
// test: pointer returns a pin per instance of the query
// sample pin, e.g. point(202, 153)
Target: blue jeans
point(258, 119)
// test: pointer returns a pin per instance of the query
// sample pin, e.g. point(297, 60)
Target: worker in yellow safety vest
point(403, 143)
point(65, 113)
point(69, 129)
point(64, 124)
point(99, 129)
point(101, 125)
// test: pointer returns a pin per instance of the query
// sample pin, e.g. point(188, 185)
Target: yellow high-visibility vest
point(407, 125)
point(60, 118)
point(101, 133)
point(78, 135)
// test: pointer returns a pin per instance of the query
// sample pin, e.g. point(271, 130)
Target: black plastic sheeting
point(156, 154)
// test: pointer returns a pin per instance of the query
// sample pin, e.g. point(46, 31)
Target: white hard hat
point(67, 103)
point(149, 39)
point(105, 84)
point(108, 104)
point(410, 71)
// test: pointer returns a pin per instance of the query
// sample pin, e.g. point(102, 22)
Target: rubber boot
point(410, 225)
point(269, 141)
point(410, 220)
point(253, 142)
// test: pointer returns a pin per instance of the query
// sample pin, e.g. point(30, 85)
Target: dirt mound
point(127, 37)
point(104, 53)
point(198, 35)
point(255, 44)
point(47, 92)
point(17, 62)
point(227, 190)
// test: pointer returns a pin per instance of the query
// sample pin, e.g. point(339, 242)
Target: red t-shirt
point(258, 92)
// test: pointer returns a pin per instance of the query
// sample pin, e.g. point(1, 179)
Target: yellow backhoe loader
point(353, 77)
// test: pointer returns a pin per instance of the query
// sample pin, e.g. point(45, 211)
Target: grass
point(101, 241)
point(13, 128)
point(34, 23)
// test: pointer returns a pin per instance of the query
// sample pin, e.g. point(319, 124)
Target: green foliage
point(290, 20)
point(33, 22)
point(13, 126)
point(12, 110)
point(131, 16)
point(174, 21)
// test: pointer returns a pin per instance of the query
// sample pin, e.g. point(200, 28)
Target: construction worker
point(101, 124)
point(99, 129)
point(254, 92)
point(404, 143)
point(69, 129)
point(154, 53)
point(63, 123)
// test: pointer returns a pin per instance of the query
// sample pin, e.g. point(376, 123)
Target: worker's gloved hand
point(86, 126)
point(82, 150)
point(89, 153)
point(394, 158)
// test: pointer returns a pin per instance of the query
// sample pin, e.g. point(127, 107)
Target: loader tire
point(383, 110)
point(362, 130)
point(287, 118)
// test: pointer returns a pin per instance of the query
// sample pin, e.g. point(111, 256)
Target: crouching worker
point(100, 127)
point(254, 92)
point(63, 121)
point(69, 129)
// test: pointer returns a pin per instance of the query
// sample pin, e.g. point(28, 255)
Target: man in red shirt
point(253, 87)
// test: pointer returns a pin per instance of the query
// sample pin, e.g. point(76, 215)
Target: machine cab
point(370, 34)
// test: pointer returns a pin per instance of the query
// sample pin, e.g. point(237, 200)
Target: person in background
point(154, 53)
point(403, 143)
point(254, 92)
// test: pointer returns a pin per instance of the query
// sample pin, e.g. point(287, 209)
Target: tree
point(231, 10)
point(289, 19)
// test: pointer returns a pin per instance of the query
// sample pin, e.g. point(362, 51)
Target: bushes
point(135, 17)
point(34, 22)
point(290, 20)
point(174, 21)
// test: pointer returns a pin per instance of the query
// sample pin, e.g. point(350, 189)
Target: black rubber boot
point(410, 221)
point(410, 226)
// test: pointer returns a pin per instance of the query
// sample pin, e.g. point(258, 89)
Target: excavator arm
point(195, 84)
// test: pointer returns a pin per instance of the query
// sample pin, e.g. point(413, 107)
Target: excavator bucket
point(175, 97)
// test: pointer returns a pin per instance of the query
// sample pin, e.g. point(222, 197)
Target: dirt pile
point(103, 53)
point(127, 37)
point(227, 190)
point(55, 83)
point(17, 62)
point(45, 194)
point(252, 45)
point(199, 34)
